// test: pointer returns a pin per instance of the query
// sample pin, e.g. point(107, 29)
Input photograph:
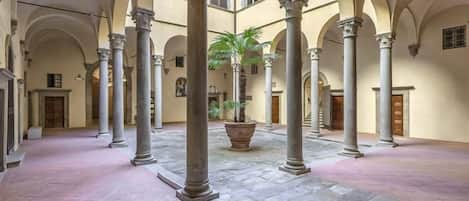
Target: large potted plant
point(238, 50)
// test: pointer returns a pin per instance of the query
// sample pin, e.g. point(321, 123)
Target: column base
point(315, 134)
point(121, 144)
point(269, 127)
point(294, 170)
point(390, 144)
point(156, 130)
point(205, 196)
point(103, 134)
point(139, 161)
point(351, 153)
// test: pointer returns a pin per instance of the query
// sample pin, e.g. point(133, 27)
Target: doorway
point(54, 112)
point(398, 115)
point(337, 113)
point(10, 118)
point(276, 109)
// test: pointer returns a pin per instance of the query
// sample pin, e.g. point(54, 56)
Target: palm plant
point(239, 49)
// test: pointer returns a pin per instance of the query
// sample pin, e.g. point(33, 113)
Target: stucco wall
point(64, 57)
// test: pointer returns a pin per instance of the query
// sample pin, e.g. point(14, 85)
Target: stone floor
point(254, 175)
point(71, 165)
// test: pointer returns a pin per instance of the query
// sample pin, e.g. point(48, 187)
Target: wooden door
point(276, 109)
point(398, 115)
point(337, 112)
point(54, 115)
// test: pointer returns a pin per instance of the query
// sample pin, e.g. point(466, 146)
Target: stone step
point(14, 159)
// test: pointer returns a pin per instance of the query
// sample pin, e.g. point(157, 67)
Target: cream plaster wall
point(64, 57)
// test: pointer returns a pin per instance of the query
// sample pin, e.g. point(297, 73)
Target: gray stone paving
point(254, 175)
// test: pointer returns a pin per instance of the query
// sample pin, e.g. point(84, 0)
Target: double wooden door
point(54, 112)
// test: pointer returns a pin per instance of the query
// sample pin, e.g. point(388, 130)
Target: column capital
point(157, 60)
point(117, 41)
point(142, 18)
point(314, 53)
point(104, 54)
point(89, 67)
point(268, 60)
point(350, 26)
point(293, 7)
point(385, 40)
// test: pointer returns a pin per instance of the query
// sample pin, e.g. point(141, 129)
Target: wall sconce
point(79, 78)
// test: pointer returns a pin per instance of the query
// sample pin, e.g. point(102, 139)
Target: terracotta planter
point(240, 134)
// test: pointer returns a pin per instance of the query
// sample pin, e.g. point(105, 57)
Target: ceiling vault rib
point(61, 9)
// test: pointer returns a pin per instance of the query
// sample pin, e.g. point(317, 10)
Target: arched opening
point(323, 92)
point(11, 104)
point(279, 74)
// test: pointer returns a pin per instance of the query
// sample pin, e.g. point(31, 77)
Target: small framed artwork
point(181, 87)
point(180, 62)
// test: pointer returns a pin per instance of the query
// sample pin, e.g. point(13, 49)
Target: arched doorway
point(324, 89)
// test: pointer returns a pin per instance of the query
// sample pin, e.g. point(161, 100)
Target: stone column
point(350, 28)
point(158, 63)
point(315, 124)
point(236, 66)
point(35, 109)
point(385, 134)
point(294, 163)
point(143, 154)
point(268, 59)
point(117, 45)
point(103, 92)
point(197, 185)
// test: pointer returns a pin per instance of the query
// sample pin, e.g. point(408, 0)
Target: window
point(254, 69)
point(454, 37)
point(220, 3)
point(180, 62)
point(54, 80)
point(246, 3)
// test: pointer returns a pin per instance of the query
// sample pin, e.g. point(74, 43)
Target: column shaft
point(197, 184)
point(268, 59)
point(143, 154)
point(118, 138)
point(236, 87)
point(158, 63)
point(386, 134)
point(103, 92)
point(315, 127)
point(294, 163)
point(350, 88)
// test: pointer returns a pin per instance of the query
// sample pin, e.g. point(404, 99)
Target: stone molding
point(350, 26)
point(142, 18)
point(268, 60)
point(104, 54)
point(385, 40)
point(293, 7)
point(157, 60)
point(117, 41)
point(314, 53)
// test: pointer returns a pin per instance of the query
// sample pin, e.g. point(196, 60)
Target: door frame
point(43, 93)
point(396, 91)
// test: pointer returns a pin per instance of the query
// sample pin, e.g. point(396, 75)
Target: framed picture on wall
point(181, 87)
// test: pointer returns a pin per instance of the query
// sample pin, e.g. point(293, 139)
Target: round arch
point(323, 82)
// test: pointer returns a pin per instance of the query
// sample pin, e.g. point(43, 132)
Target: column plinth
point(103, 92)
point(315, 124)
point(350, 29)
point(294, 163)
point(197, 186)
point(143, 155)
point(386, 134)
point(117, 45)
